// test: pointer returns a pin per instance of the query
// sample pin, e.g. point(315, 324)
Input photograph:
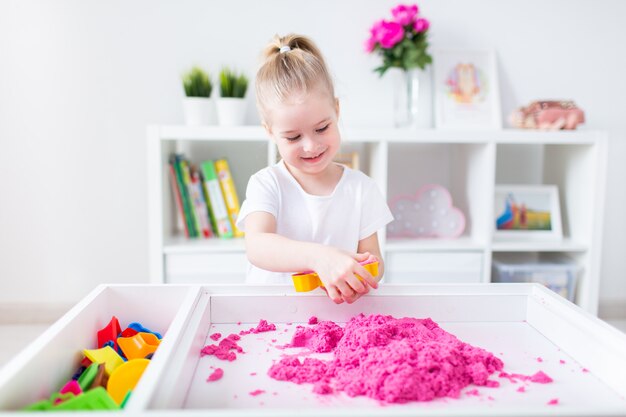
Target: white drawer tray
point(517, 322)
point(433, 267)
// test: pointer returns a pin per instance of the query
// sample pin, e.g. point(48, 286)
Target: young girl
point(307, 212)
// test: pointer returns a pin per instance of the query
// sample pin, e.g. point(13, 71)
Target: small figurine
point(548, 115)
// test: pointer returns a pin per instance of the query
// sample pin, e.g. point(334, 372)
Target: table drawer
point(214, 268)
point(433, 267)
point(525, 321)
point(51, 360)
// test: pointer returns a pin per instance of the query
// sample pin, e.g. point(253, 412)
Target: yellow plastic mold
point(308, 281)
point(105, 355)
point(125, 378)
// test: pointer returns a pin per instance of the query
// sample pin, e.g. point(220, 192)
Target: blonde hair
point(298, 68)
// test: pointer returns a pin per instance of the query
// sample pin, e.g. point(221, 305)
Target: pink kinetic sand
point(257, 392)
point(263, 326)
point(388, 359)
point(217, 374)
point(539, 377)
point(223, 349)
point(554, 401)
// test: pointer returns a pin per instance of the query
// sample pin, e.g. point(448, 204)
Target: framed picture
point(527, 212)
point(466, 90)
point(349, 159)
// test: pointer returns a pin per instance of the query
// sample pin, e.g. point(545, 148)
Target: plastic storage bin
point(557, 272)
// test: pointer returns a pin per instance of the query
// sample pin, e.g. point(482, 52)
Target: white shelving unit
point(468, 163)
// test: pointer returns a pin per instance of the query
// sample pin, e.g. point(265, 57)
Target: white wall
point(80, 80)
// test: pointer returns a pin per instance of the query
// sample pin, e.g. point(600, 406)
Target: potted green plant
point(198, 107)
point(231, 105)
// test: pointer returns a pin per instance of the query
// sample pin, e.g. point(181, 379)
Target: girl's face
point(304, 128)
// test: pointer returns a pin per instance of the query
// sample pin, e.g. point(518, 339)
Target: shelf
point(433, 245)
point(504, 136)
point(469, 163)
point(559, 137)
point(393, 135)
point(208, 133)
point(565, 245)
point(181, 244)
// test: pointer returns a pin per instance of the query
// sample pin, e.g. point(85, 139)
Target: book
point(197, 196)
point(184, 165)
point(181, 221)
point(218, 206)
point(207, 201)
point(230, 193)
point(184, 193)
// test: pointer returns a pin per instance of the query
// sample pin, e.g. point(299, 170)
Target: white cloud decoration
point(428, 214)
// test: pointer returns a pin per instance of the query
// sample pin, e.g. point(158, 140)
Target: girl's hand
point(337, 270)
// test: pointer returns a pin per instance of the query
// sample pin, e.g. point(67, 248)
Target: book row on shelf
point(205, 196)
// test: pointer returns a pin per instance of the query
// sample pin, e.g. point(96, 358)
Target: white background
point(80, 80)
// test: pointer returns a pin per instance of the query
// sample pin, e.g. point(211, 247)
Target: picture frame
point(349, 159)
point(466, 89)
point(527, 212)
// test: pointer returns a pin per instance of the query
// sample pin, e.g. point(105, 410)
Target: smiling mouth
point(314, 158)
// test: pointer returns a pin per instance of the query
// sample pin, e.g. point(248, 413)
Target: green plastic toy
point(95, 399)
point(86, 378)
point(43, 405)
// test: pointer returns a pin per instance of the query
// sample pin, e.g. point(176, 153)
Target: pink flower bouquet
point(402, 41)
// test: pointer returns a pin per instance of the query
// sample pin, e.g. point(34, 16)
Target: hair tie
point(284, 49)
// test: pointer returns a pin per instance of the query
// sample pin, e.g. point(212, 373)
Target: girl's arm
point(336, 268)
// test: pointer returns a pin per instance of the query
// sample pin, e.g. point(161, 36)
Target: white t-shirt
point(355, 210)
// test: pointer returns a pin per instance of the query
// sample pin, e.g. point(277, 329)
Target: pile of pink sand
point(388, 359)
point(224, 349)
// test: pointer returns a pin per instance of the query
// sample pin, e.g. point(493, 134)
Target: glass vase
point(412, 99)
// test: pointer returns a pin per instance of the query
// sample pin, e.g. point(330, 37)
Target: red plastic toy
point(110, 332)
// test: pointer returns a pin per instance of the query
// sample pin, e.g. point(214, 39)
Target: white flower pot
point(199, 111)
point(231, 111)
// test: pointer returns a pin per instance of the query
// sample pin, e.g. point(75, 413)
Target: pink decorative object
point(429, 213)
point(548, 115)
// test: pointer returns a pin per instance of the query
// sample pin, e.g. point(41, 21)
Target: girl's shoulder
point(268, 172)
point(354, 175)
point(269, 175)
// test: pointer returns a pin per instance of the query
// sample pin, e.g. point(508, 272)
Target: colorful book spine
point(187, 180)
point(197, 196)
point(181, 221)
point(207, 200)
point(184, 195)
point(220, 213)
point(230, 193)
